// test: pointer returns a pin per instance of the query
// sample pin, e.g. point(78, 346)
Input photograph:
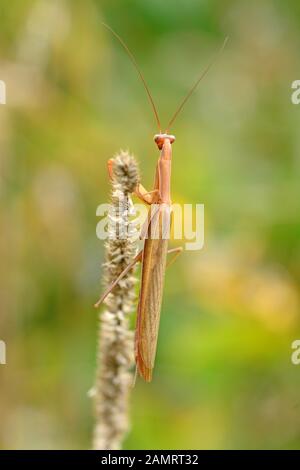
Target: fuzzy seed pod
point(115, 352)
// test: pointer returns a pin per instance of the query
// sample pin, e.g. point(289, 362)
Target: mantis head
point(159, 139)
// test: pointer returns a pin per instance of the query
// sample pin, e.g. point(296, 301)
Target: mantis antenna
point(131, 56)
point(196, 84)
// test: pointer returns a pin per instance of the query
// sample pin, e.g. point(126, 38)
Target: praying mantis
point(153, 256)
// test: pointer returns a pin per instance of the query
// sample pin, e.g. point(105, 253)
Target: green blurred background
point(224, 377)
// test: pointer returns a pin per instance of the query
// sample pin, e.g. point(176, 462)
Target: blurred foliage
point(224, 378)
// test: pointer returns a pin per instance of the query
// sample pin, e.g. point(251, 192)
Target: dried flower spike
point(115, 354)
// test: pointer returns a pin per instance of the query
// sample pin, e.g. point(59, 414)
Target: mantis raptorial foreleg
point(148, 197)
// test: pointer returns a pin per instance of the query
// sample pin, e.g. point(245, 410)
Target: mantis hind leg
point(178, 250)
point(116, 281)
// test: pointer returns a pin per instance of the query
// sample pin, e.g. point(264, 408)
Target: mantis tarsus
point(153, 256)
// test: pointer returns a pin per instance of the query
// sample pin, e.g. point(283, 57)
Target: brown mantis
point(153, 256)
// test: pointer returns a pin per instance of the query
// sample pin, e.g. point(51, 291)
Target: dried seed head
point(125, 171)
point(115, 352)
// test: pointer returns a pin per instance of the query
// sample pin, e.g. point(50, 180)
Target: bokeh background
point(224, 377)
